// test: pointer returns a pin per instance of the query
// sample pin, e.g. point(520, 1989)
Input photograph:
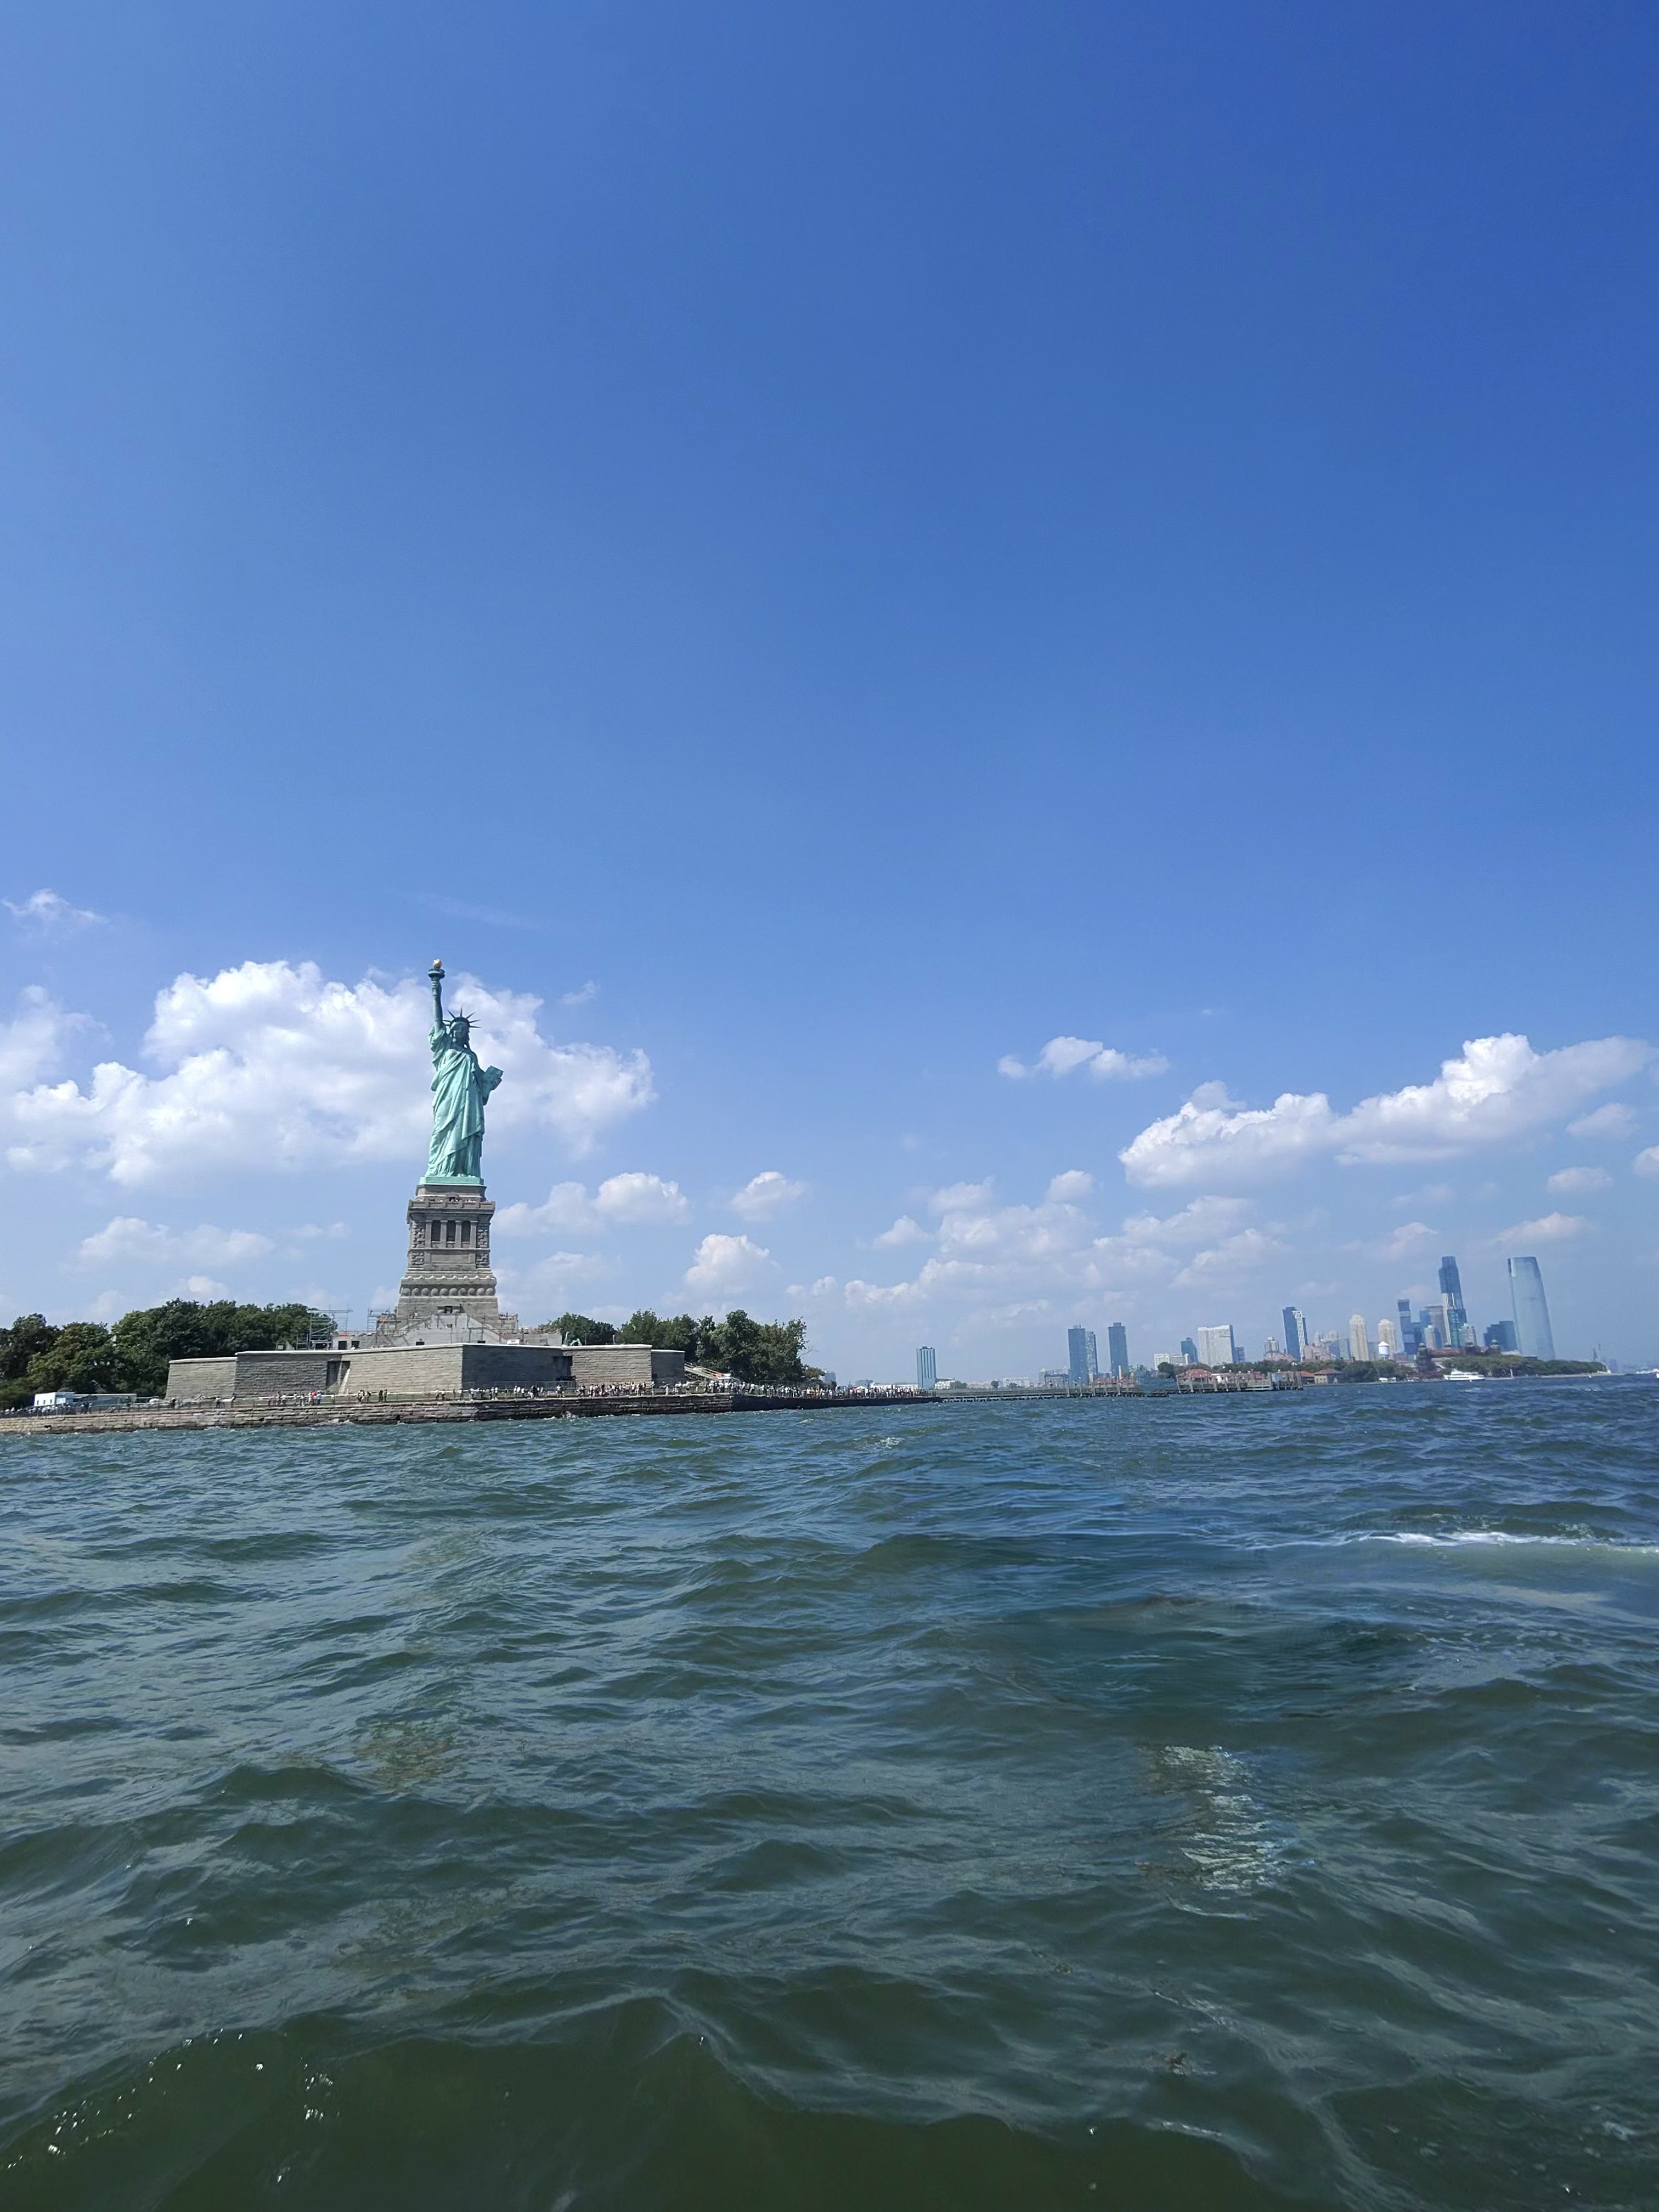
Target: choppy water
point(1242, 1803)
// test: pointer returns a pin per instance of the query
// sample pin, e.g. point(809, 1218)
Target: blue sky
point(811, 554)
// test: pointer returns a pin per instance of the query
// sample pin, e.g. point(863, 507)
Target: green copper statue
point(460, 1087)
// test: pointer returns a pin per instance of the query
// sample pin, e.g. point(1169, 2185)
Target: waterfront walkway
point(333, 1412)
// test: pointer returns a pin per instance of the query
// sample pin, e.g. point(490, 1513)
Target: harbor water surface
point(1250, 1801)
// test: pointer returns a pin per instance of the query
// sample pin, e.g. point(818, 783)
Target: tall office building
point(1452, 1289)
point(1500, 1336)
point(1094, 1358)
point(1080, 1363)
point(1387, 1338)
point(1293, 1339)
point(1117, 1348)
point(1216, 1348)
point(1189, 1352)
point(926, 1368)
point(1411, 1336)
point(1359, 1344)
point(1533, 1337)
point(1433, 1324)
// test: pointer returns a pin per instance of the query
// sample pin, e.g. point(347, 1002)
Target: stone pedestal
point(448, 1269)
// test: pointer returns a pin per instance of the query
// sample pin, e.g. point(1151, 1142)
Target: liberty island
point(446, 1351)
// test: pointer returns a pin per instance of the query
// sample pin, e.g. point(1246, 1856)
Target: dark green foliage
point(81, 1357)
point(1510, 1362)
point(578, 1328)
point(29, 1336)
point(756, 1351)
point(148, 1338)
point(681, 1333)
point(753, 1351)
point(24, 1346)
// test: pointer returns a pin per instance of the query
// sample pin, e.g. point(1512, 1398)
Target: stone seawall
point(334, 1412)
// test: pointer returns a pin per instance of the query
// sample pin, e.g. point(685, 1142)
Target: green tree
point(678, 1333)
point(150, 1336)
point(756, 1351)
point(29, 1336)
point(81, 1357)
point(579, 1328)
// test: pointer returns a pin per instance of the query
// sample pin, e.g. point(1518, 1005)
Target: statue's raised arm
point(459, 1088)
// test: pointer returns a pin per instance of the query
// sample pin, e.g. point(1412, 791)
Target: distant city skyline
point(1442, 1324)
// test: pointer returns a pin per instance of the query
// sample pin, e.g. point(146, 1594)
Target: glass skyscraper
point(1117, 1348)
point(1452, 1289)
point(926, 1367)
point(1533, 1338)
point(1293, 1344)
point(1081, 1364)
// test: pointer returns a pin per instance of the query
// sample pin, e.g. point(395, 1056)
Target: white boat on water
point(1464, 1375)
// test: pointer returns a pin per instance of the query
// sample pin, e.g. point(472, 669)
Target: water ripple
point(1187, 1804)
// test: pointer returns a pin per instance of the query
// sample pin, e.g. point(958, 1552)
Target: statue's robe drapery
point(460, 1087)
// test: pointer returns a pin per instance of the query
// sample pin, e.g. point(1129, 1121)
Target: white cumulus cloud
point(1647, 1162)
point(1499, 1089)
point(273, 1066)
point(636, 1197)
point(127, 1239)
point(1064, 1055)
point(176, 1259)
point(1233, 1256)
point(765, 1195)
point(1410, 1238)
point(1198, 1221)
point(1615, 1119)
point(723, 1267)
point(35, 1041)
point(632, 1199)
point(904, 1230)
point(1548, 1229)
point(985, 1251)
point(1569, 1180)
point(50, 913)
point(1074, 1183)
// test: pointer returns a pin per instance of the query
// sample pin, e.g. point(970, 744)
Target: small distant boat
point(1464, 1375)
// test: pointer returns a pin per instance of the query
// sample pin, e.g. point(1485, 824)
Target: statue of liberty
point(460, 1087)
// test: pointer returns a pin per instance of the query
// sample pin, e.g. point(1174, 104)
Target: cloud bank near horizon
point(1497, 1090)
